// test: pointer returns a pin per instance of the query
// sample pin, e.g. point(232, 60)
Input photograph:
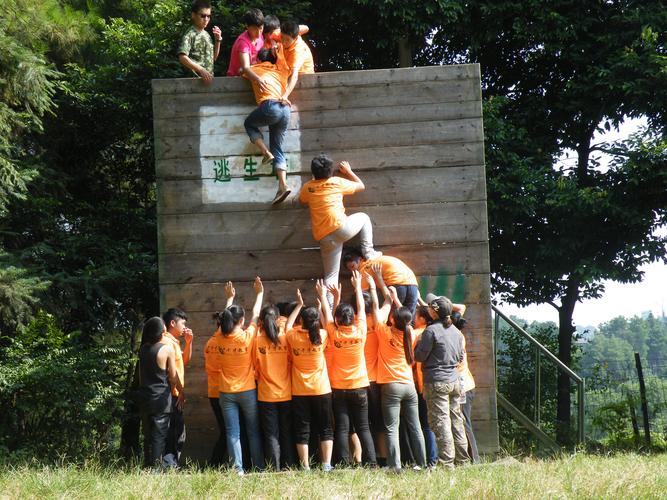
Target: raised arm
point(358, 294)
point(259, 290)
point(295, 313)
point(230, 293)
point(345, 170)
point(322, 296)
point(335, 292)
point(379, 315)
point(460, 308)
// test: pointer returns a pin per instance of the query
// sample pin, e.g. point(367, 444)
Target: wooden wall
point(415, 138)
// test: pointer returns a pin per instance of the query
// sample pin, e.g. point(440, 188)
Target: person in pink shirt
point(246, 47)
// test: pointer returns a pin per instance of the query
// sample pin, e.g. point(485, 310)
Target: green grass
point(580, 476)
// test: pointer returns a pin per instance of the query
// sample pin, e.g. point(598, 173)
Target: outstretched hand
point(258, 286)
point(376, 267)
point(299, 298)
point(369, 280)
point(335, 290)
point(356, 279)
point(230, 291)
point(344, 168)
point(320, 288)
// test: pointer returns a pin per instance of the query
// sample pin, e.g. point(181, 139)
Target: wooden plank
point(369, 158)
point(210, 296)
point(214, 267)
point(388, 187)
point(325, 79)
point(324, 139)
point(380, 94)
point(214, 123)
point(290, 228)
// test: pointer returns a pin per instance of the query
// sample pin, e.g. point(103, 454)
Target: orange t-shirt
point(273, 367)
point(169, 339)
point(417, 367)
point(468, 380)
point(394, 271)
point(237, 371)
point(298, 55)
point(212, 363)
point(392, 366)
point(325, 201)
point(349, 365)
point(309, 369)
point(275, 78)
point(371, 349)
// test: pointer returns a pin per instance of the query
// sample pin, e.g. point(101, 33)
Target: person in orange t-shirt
point(349, 378)
point(395, 360)
point(297, 54)
point(175, 321)
point(238, 392)
point(273, 110)
point(394, 272)
point(274, 388)
point(311, 390)
point(331, 227)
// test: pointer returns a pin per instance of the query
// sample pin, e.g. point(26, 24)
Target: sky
point(619, 299)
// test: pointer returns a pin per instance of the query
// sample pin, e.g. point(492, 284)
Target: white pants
point(331, 246)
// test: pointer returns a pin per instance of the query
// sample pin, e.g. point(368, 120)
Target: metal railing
point(534, 426)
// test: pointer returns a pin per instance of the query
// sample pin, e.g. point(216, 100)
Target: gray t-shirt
point(440, 350)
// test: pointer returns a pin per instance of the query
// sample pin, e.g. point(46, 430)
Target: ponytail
point(402, 319)
point(310, 320)
point(228, 318)
point(268, 316)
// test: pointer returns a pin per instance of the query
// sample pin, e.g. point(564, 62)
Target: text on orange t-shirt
point(392, 365)
point(309, 368)
point(237, 372)
point(273, 368)
point(394, 271)
point(349, 365)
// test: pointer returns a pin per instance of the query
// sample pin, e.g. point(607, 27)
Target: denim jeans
point(466, 408)
point(429, 436)
point(276, 116)
point(350, 406)
point(446, 419)
point(279, 447)
point(233, 404)
point(408, 295)
point(400, 400)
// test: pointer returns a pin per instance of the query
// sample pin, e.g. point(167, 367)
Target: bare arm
point(303, 29)
point(246, 70)
point(230, 293)
point(460, 308)
point(187, 353)
point(358, 294)
point(291, 83)
point(386, 307)
point(345, 170)
point(217, 35)
point(335, 291)
point(295, 313)
point(174, 379)
point(259, 290)
point(190, 64)
point(322, 295)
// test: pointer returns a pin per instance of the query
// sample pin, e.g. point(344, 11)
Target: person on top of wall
point(330, 226)
point(158, 376)
point(175, 322)
point(297, 54)
point(247, 46)
point(197, 51)
point(272, 110)
point(440, 350)
point(272, 31)
point(394, 273)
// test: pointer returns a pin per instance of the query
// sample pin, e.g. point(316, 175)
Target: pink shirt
point(243, 45)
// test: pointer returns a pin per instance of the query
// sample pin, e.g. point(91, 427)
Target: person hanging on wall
point(331, 227)
point(175, 320)
point(197, 52)
point(272, 110)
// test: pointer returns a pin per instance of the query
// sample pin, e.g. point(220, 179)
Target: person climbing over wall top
point(272, 33)
point(330, 226)
point(297, 54)
point(246, 47)
point(272, 110)
point(197, 51)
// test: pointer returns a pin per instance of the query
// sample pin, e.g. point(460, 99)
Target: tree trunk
point(566, 330)
point(404, 53)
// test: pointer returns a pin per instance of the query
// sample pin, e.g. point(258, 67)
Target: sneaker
point(372, 254)
point(327, 467)
point(267, 158)
point(280, 196)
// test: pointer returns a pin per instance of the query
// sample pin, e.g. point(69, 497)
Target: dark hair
point(198, 5)
point(151, 332)
point(253, 17)
point(351, 254)
point(458, 320)
point(286, 308)
point(443, 308)
point(402, 319)
point(344, 315)
point(173, 314)
point(310, 320)
point(267, 55)
point(422, 311)
point(228, 318)
point(290, 28)
point(268, 316)
point(322, 167)
point(271, 23)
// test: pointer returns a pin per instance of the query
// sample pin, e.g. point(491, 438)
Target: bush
point(61, 396)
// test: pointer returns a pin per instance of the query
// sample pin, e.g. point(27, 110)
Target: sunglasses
point(205, 16)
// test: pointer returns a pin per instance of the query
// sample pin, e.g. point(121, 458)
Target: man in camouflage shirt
point(196, 51)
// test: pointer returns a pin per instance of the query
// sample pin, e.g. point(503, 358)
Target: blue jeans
point(246, 402)
point(276, 116)
point(408, 295)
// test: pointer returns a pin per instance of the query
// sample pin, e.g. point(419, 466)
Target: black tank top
point(154, 381)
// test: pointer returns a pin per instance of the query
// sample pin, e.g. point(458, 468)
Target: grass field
point(580, 476)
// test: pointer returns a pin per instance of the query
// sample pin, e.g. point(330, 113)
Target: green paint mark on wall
point(440, 284)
